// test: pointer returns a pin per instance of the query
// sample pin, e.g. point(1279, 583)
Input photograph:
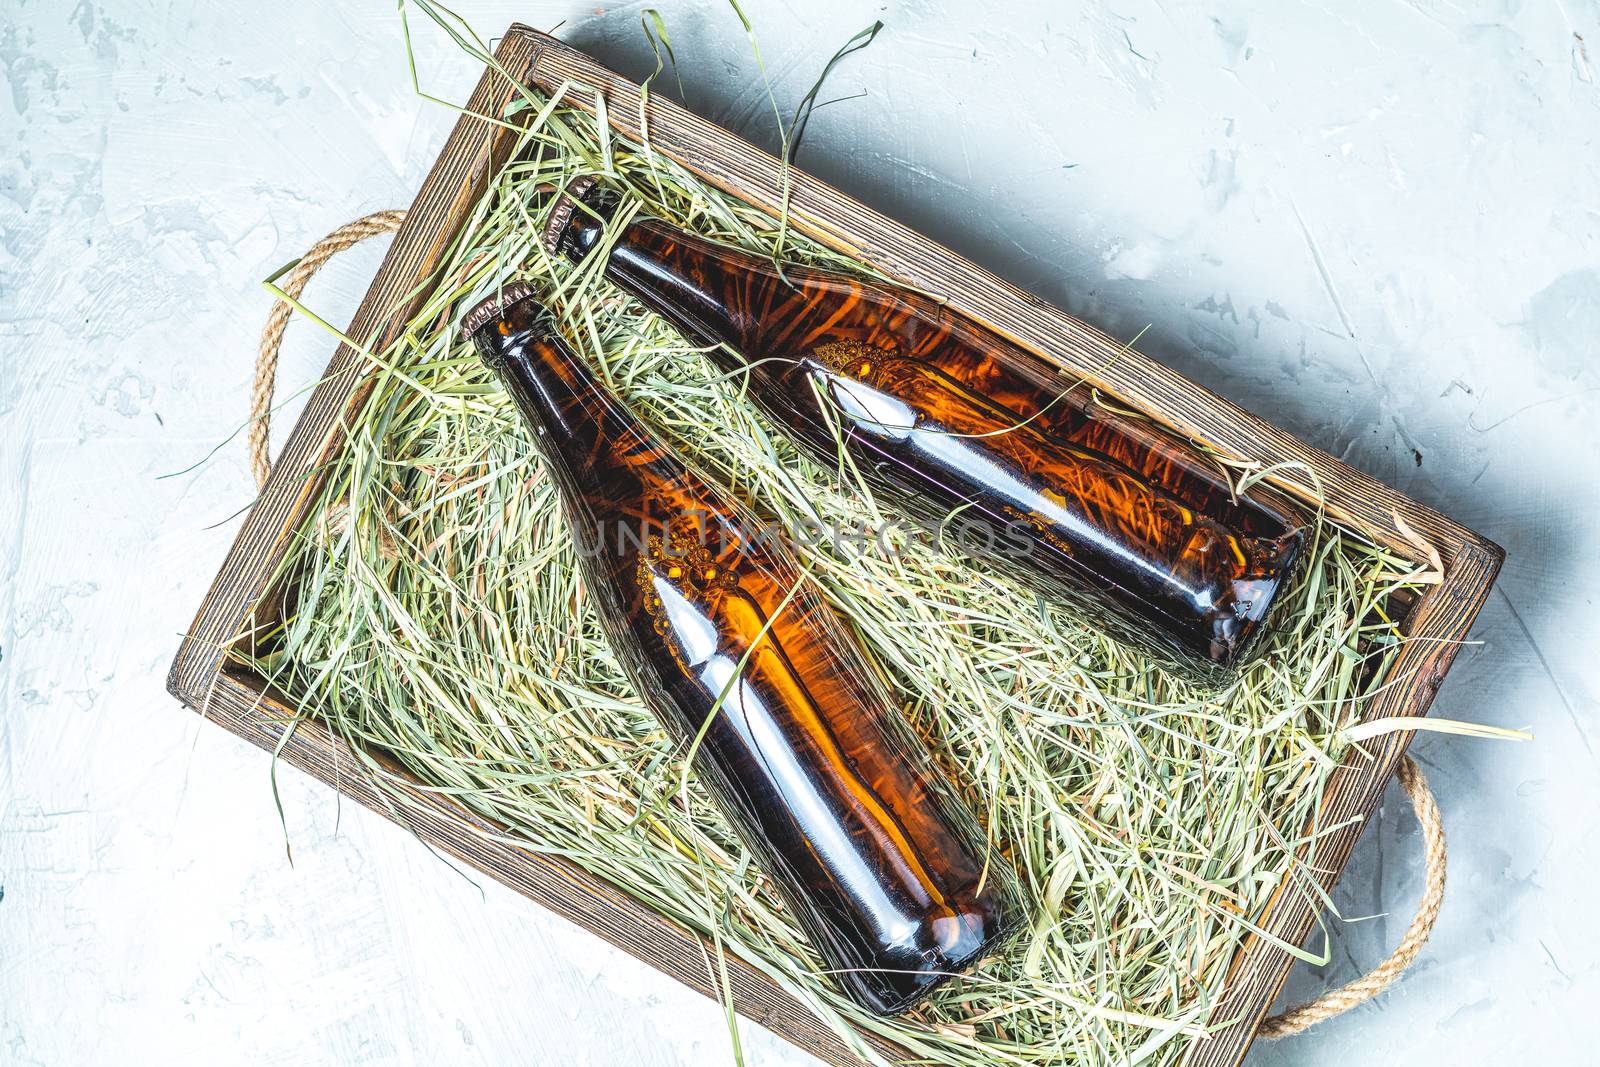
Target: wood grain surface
point(201, 678)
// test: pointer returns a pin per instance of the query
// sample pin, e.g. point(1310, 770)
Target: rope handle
point(346, 236)
point(1293, 1021)
point(1338, 1001)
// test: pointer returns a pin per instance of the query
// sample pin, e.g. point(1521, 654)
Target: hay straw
point(439, 618)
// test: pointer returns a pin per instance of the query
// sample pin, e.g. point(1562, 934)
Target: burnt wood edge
point(843, 223)
point(442, 205)
point(241, 704)
point(1441, 621)
point(198, 677)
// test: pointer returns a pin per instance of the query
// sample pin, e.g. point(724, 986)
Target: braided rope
point(1337, 1001)
point(351, 233)
point(1332, 1003)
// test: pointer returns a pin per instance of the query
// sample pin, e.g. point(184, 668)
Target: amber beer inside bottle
point(972, 436)
point(719, 630)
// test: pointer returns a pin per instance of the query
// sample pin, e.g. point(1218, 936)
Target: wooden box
point(204, 678)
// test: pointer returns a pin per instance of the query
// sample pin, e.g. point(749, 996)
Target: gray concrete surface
point(1378, 224)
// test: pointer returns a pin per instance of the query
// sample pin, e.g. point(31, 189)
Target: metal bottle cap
point(561, 214)
point(495, 307)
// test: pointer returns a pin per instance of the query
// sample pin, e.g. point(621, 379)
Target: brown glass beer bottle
point(719, 630)
point(968, 433)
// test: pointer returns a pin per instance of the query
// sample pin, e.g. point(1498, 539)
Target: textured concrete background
point(1378, 224)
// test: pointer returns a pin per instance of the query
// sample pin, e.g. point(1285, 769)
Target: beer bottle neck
point(577, 421)
point(701, 287)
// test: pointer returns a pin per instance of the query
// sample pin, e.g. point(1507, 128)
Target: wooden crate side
point(455, 183)
point(1437, 626)
point(241, 705)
